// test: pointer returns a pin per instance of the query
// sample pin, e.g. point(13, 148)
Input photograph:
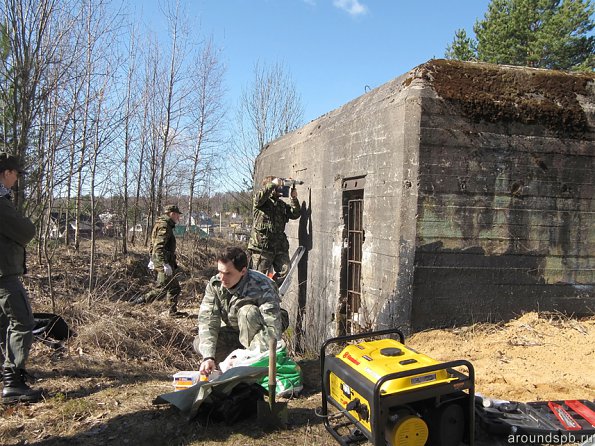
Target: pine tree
point(462, 47)
point(550, 34)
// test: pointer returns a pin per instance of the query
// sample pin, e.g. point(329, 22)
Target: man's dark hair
point(235, 255)
point(9, 162)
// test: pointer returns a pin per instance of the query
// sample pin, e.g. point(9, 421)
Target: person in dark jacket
point(268, 245)
point(163, 261)
point(16, 317)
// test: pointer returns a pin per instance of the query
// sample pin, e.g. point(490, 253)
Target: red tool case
point(569, 419)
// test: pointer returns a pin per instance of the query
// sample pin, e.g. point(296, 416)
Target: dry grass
point(99, 389)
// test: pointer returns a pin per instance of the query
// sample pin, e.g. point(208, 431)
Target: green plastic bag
point(289, 373)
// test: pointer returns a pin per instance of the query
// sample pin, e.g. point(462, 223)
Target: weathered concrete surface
point(477, 199)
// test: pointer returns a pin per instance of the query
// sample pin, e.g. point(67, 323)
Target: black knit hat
point(10, 162)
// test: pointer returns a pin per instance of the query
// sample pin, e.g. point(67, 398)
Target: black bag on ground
point(51, 329)
point(240, 404)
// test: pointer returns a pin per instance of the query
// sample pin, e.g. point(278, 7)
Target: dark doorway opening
point(351, 265)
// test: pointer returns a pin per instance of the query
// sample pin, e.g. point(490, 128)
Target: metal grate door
point(355, 240)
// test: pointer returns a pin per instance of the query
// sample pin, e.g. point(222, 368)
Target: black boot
point(15, 389)
point(173, 311)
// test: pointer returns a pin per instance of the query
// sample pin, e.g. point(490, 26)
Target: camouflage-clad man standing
point(268, 243)
point(163, 260)
point(246, 300)
point(16, 316)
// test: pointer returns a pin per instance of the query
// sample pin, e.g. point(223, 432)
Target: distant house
point(236, 221)
point(111, 224)
point(239, 230)
point(202, 221)
point(138, 228)
point(239, 235)
point(59, 226)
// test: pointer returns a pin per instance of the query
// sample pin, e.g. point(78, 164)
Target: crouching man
point(246, 301)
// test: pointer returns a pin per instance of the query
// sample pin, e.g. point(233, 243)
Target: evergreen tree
point(462, 47)
point(552, 34)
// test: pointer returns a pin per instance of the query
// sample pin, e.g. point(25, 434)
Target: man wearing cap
point(268, 245)
point(163, 260)
point(16, 316)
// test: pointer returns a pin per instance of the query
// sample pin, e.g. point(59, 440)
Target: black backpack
point(239, 405)
point(51, 329)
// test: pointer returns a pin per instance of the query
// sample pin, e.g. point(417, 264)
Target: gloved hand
point(167, 269)
point(151, 265)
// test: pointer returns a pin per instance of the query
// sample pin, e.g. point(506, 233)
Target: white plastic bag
point(289, 374)
point(241, 357)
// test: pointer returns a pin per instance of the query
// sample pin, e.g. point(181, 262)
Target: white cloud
point(353, 7)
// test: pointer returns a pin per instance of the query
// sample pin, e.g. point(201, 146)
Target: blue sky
point(332, 49)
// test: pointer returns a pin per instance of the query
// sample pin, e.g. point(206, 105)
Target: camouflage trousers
point(166, 286)
point(263, 261)
point(251, 332)
point(16, 323)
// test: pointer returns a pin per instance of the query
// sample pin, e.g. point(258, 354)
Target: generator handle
point(338, 339)
point(368, 334)
point(427, 369)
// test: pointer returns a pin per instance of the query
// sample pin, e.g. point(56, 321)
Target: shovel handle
point(272, 370)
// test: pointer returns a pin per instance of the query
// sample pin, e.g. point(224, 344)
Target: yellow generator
point(388, 394)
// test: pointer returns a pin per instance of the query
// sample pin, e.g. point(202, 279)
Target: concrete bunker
point(455, 193)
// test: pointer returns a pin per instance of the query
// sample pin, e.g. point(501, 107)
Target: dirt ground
point(99, 389)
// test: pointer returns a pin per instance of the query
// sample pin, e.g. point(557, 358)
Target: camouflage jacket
point(222, 304)
point(15, 232)
point(163, 243)
point(270, 214)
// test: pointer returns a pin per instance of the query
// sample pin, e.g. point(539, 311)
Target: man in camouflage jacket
point(246, 301)
point(163, 260)
point(268, 243)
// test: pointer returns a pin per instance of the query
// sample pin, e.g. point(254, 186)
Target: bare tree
point(88, 75)
point(35, 30)
point(103, 115)
point(149, 136)
point(207, 114)
point(269, 108)
point(130, 107)
point(105, 126)
point(164, 124)
point(144, 143)
point(175, 94)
